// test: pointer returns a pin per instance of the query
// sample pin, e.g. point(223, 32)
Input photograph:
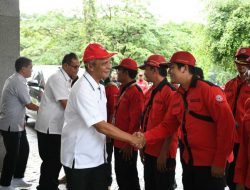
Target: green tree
point(90, 19)
point(227, 30)
point(46, 38)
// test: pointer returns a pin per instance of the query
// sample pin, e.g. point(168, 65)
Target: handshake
point(138, 140)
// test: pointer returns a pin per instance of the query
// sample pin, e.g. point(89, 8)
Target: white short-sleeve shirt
point(81, 143)
point(15, 95)
point(51, 113)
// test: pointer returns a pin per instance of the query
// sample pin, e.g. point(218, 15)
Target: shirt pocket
point(195, 104)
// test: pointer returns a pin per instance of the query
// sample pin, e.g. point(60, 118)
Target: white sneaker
point(7, 188)
point(19, 182)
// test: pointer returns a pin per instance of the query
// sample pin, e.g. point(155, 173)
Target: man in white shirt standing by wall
point(15, 97)
point(50, 121)
point(83, 151)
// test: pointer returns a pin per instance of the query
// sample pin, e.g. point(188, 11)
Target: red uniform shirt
point(112, 92)
point(242, 168)
point(128, 110)
point(210, 142)
point(231, 94)
point(156, 114)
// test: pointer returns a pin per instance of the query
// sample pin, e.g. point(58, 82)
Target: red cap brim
point(107, 56)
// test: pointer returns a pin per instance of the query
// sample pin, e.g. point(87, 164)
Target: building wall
point(9, 44)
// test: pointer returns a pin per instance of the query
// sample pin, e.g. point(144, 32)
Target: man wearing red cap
point(242, 168)
point(200, 109)
point(159, 158)
point(237, 91)
point(127, 118)
point(83, 151)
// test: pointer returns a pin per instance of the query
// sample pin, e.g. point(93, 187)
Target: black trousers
point(16, 157)
point(109, 149)
point(87, 179)
point(231, 167)
point(49, 146)
point(156, 180)
point(199, 178)
point(126, 171)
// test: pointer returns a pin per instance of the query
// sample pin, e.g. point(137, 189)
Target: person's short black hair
point(22, 62)
point(199, 72)
point(162, 70)
point(68, 58)
point(131, 73)
point(190, 68)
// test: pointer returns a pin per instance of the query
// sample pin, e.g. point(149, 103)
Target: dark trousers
point(87, 179)
point(49, 146)
point(231, 167)
point(199, 177)
point(109, 149)
point(16, 157)
point(156, 180)
point(126, 171)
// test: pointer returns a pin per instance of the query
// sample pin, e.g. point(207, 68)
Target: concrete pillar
point(9, 44)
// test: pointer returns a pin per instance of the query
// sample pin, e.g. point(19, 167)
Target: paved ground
point(33, 167)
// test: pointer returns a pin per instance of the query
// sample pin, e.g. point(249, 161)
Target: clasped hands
point(138, 140)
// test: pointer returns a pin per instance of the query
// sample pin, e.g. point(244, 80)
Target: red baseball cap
point(96, 51)
point(242, 56)
point(154, 60)
point(127, 63)
point(183, 57)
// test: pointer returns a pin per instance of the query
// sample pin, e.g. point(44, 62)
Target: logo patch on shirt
point(219, 98)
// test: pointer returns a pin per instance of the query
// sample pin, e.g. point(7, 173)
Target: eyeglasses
point(74, 66)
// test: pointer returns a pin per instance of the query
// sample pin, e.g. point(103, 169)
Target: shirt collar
point(240, 80)
point(21, 77)
point(65, 75)
point(91, 81)
point(193, 84)
point(124, 87)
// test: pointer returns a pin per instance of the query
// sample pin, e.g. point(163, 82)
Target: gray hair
point(92, 62)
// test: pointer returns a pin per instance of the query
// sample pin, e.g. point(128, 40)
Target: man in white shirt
point(83, 151)
point(50, 120)
point(15, 97)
